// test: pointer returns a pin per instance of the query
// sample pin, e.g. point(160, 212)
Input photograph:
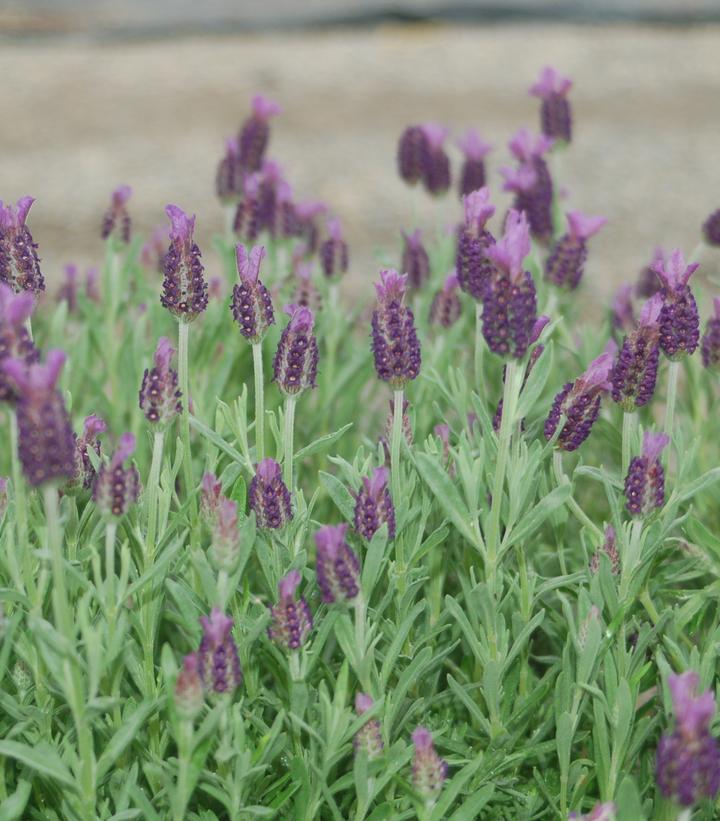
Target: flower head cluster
point(19, 261)
point(415, 261)
point(555, 115)
point(160, 399)
point(687, 764)
point(634, 373)
point(251, 304)
point(15, 341)
point(579, 403)
point(368, 739)
point(296, 359)
point(710, 345)
point(225, 542)
point(566, 263)
point(116, 220)
point(645, 480)
point(337, 567)
point(395, 345)
point(218, 659)
point(290, 619)
point(230, 173)
point(333, 252)
point(268, 496)
point(429, 771)
point(85, 473)
point(211, 496)
point(185, 292)
point(531, 182)
point(374, 505)
point(472, 264)
point(679, 320)
point(117, 487)
point(422, 157)
point(445, 309)
point(255, 132)
point(472, 173)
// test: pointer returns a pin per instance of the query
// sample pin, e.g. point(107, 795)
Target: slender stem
point(360, 648)
point(562, 479)
point(479, 346)
point(21, 522)
point(288, 441)
point(182, 793)
point(259, 402)
point(153, 488)
point(398, 401)
point(673, 373)
point(183, 330)
point(61, 609)
point(110, 533)
point(630, 423)
point(223, 584)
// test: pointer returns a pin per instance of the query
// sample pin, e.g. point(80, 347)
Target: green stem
point(479, 347)
point(259, 402)
point(630, 423)
point(288, 442)
point(61, 608)
point(183, 330)
point(360, 648)
point(182, 793)
point(562, 479)
point(110, 533)
point(21, 522)
point(673, 373)
point(398, 401)
point(153, 489)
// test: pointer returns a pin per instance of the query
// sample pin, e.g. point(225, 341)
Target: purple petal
point(163, 354)
point(248, 265)
point(330, 538)
point(268, 470)
point(509, 252)
point(525, 146)
point(518, 179)
point(121, 195)
point(583, 226)
point(289, 584)
point(182, 225)
point(92, 426)
point(653, 445)
point(550, 82)
point(392, 285)
point(15, 308)
point(264, 108)
point(216, 628)
point(650, 312)
point(473, 146)
point(435, 134)
point(301, 318)
point(422, 739)
point(538, 327)
point(363, 703)
point(478, 208)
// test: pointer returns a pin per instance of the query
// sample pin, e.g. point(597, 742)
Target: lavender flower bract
point(566, 263)
point(211, 497)
point(429, 771)
point(159, 397)
point(679, 320)
point(337, 567)
point(634, 373)
point(531, 182)
point(645, 480)
point(445, 308)
point(117, 487)
point(710, 346)
point(251, 304)
point(368, 739)
point(415, 261)
point(472, 264)
point(268, 496)
point(395, 345)
point(116, 220)
point(374, 505)
point(604, 811)
point(184, 287)
point(218, 657)
point(472, 173)
point(255, 132)
point(555, 115)
point(19, 261)
point(15, 341)
point(291, 619)
point(296, 359)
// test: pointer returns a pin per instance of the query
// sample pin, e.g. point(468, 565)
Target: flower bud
point(474, 149)
point(445, 308)
point(255, 132)
point(334, 251)
point(210, 498)
point(634, 373)
point(374, 505)
point(188, 694)
point(415, 261)
point(225, 545)
point(19, 261)
point(218, 659)
point(15, 341)
point(116, 220)
point(296, 359)
point(368, 739)
point(566, 263)
point(117, 487)
point(184, 287)
point(472, 264)
point(436, 169)
point(555, 115)
point(429, 771)
point(608, 547)
point(337, 567)
point(84, 475)
point(291, 619)
point(395, 344)
point(645, 480)
point(229, 177)
point(531, 182)
point(679, 320)
point(268, 496)
point(159, 394)
point(251, 304)
point(412, 154)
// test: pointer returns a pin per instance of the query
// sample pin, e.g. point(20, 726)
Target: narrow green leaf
point(42, 758)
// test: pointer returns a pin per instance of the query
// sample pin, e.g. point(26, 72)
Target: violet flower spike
point(474, 149)
point(429, 771)
point(679, 320)
point(184, 287)
point(46, 442)
point(609, 548)
point(368, 739)
point(337, 566)
point(566, 263)
point(19, 261)
point(634, 373)
point(711, 229)
point(687, 764)
point(116, 220)
point(230, 172)
point(219, 662)
point(268, 496)
point(645, 480)
point(333, 252)
point(710, 346)
point(510, 301)
point(159, 398)
point(117, 487)
point(555, 115)
point(579, 402)
point(395, 345)
point(84, 475)
point(290, 619)
point(532, 183)
point(188, 694)
point(251, 304)
point(472, 264)
point(15, 341)
point(445, 308)
point(296, 359)
point(436, 170)
point(415, 261)
point(374, 505)
point(412, 154)
point(225, 542)
point(255, 132)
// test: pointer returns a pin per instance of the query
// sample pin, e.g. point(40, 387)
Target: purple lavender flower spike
point(635, 371)
point(525, 146)
point(19, 261)
point(415, 261)
point(510, 301)
point(604, 811)
point(472, 264)
point(334, 251)
point(251, 304)
point(679, 320)
point(687, 765)
point(532, 183)
point(623, 312)
point(579, 402)
point(429, 771)
point(255, 132)
point(436, 172)
point(218, 657)
point(474, 149)
point(290, 619)
point(210, 498)
point(711, 229)
point(247, 223)
point(268, 496)
point(306, 293)
point(710, 346)
point(368, 739)
point(412, 154)
point(645, 480)
point(555, 114)
point(46, 442)
point(117, 487)
point(184, 287)
point(445, 308)
point(271, 200)
point(84, 475)
point(374, 505)
point(229, 177)
point(188, 695)
point(566, 263)
point(337, 567)
point(160, 399)
point(296, 359)
point(116, 220)
point(225, 544)
point(395, 344)
point(15, 340)
point(609, 548)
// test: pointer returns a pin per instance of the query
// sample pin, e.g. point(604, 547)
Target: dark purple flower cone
point(368, 739)
point(415, 261)
point(472, 264)
point(185, 292)
point(565, 265)
point(429, 771)
point(395, 345)
point(436, 170)
point(472, 173)
point(333, 252)
point(537, 201)
point(15, 341)
point(117, 487)
point(445, 308)
point(679, 319)
point(255, 133)
point(19, 261)
point(268, 496)
point(710, 346)
point(218, 657)
point(291, 619)
point(711, 229)
point(251, 304)
point(159, 395)
point(374, 506)
point(337, 567)
point(634, 373)
point(296, 359)
point(645, 480)
point(247, 223)
point(116, 220)
point(555, 115)
point(412, 154)
point(230, 174)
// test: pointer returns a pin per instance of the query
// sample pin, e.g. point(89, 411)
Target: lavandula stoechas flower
point(429, 771)
point(184, 287)
point(210, 498)
point(272, 199)
point(679, 320)
point(579, 402)
point(395, 345)
point(566, 263)
point(687, 765)
point(634, 373)
point(412, 154)
point(229, 177)
point(116, 220)
point(218, 657)
point(436, 170)
point(374, 505)
point(531, 182)
point(296, 359)
point(472, 264)
point(645, 480)
point(84, 471)
point(337, 567)
point(251, 304)
point(46, 442)
point(225, 540)
point(711, 229)
point(415, 261)
point(368, 739)
point(117, 487)
point(15, 341)
point(445, 308)
point(510, 301)
point(474, 149)
point(555, 116)
point(188, 695)
point(246, 223)
point(290, 619)
point(268, 496)
point(19, 262)
point(159, 395)
point(255, 132)
point(333, 252)
point(609, 548)
point(710, 347)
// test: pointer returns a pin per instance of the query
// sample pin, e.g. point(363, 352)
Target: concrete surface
point(81, 117)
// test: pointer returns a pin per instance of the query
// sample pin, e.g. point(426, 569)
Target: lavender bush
point(231, 586)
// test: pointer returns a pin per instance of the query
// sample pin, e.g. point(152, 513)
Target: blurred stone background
point(98, 94)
